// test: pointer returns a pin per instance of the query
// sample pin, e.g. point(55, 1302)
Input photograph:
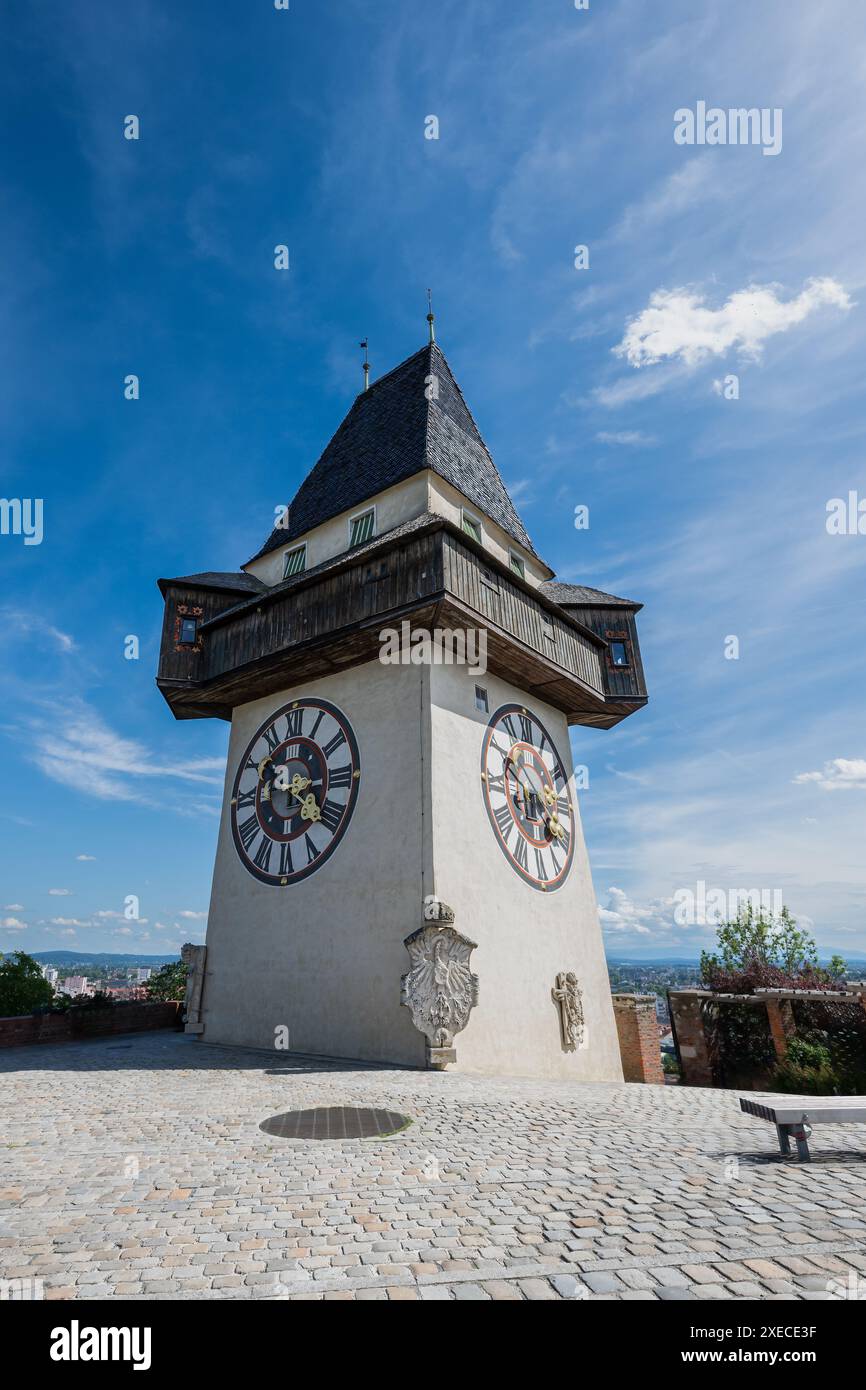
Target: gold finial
point(366, 366)
point(431, 317)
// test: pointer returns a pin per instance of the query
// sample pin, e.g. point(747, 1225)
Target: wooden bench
point(794, 1117)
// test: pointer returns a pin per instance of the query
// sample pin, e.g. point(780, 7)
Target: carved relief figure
point(193, 958)
point(567, 996)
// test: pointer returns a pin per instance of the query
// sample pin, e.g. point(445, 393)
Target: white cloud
point(60, 892)
point(840, 774)
point(678, 324)
point(625, 437)
point(621, 915)
point(13, 907)
point(12, 924)
point(195, 916)
point(86, 858)
point(69, 922)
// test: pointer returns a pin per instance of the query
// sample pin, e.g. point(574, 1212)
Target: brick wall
point(88, 1023)
point(638, 1038)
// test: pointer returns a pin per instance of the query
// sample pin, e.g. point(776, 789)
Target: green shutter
point(472, 528)
point(362, 528)
point(296, 561)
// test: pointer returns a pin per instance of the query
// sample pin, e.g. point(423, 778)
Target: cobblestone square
point(135, 1168)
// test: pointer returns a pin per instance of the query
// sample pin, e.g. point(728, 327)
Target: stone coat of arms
point(439, 989)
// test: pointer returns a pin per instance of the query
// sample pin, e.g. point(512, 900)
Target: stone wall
point(75, 1024)
point(638, 1038)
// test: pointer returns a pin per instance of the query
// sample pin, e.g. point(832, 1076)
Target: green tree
point(168, 983)
point(23, 987)
point(759, 948)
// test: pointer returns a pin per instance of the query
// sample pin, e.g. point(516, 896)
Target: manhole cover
point(335, 1122)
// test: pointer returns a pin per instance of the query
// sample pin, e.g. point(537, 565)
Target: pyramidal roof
point(392, 432)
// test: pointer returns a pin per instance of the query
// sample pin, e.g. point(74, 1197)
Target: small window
point(517, 564)
point(481, 701)
point(619, 654)
point(295, 562)
point(361, 527)
point(472, 527)
point(188, 628)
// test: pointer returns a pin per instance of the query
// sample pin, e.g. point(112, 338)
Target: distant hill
point(99, 958)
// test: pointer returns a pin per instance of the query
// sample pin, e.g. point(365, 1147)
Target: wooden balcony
point(330, 618)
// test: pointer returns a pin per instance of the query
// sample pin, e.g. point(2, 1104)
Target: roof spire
point(431, 317)
point(366, 365)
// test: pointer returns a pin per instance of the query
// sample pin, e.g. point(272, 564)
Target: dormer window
point(295, 561)
point(516, 562)
point(472, 526)
point(188, 631)
point(362, 527)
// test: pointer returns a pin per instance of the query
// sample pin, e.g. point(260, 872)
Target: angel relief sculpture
point(439, 989)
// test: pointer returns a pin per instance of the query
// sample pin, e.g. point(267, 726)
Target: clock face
point(526, 794)
point(295, 791)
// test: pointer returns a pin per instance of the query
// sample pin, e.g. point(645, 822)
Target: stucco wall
point(324, 956)
point(393, 506)
point(524, 937)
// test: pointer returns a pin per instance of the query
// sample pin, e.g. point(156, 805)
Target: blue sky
point(598, 387)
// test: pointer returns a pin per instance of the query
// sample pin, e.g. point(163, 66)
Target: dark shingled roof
point(578, 595)
point(236, 582)
point(392, 432)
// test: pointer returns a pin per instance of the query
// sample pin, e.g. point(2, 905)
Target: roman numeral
point(329, 749)
point(559, 776)
point(295, 722)
point(496, 783)
point(562, 808)
point(520, 852)
point(315, 728)
point(540, 871)
point(509, 726)
point(312, 852)
point(248, 831)
point(340, 777)
point(272, 738)
point(285, 859)
point(504, 820)
point(246, 799)
point(332, 814)
point(525, 729)
point(263, 857)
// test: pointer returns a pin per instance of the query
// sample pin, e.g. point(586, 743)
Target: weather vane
point(431, 317)
point(364, 345)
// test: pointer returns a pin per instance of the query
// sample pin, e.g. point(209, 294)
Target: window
point(188, 631)
point(472, 526)
point(295, 562)
point(481, 699)
point(619, 654)
point(517, 563)
point(361, 527)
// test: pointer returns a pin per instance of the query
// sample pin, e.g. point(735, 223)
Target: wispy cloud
point(625, 438)
point(13, 924)
point(26, 625)
point(75, 746)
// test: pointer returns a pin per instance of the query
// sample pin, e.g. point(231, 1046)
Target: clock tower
point(400, 874)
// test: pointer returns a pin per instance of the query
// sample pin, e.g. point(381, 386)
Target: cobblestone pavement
point(134, 1167)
